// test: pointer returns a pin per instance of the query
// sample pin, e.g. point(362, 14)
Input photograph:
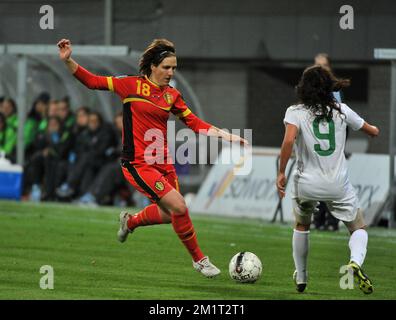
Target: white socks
point(358, 246)
point(300, 254)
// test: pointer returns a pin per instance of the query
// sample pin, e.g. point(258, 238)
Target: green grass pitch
point(89, 263)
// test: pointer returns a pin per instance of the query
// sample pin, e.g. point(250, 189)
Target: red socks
point(184, 228)
point(148, 216)
point(181, 224)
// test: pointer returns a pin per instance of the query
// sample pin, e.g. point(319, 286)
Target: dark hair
point(44, 97)
point(98, 115)
point(315, 91)
point(84, 109)
point(154, 54)
point(66, 99)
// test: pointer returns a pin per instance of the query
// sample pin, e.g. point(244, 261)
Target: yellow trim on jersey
point(110, 83)
point(151, 82)
point(177, 185)
point(184, 113)
point(145, 100)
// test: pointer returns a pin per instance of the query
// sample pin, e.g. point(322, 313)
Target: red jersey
point(146, 107)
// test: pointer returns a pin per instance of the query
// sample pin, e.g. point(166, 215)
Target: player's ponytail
point(154, 54)
point(315, 91)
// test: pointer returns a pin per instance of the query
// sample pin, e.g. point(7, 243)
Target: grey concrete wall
point(284, 29)
point(269, 97)
point(377, 110)
point(222, 92)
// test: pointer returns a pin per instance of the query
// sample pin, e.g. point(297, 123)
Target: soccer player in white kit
point(317, 126)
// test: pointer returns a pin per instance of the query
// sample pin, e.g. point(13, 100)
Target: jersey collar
point(154, 84)
point(151, 82)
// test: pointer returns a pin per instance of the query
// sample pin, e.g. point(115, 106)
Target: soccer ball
point(245, 267)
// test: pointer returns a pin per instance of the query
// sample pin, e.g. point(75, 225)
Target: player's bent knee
point(357, 223)
point(352, 229)
point(174, 203)
point(180, 208)
point(302, 227)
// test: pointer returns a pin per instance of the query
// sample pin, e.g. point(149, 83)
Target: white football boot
point(207, 268)
point(123, 232)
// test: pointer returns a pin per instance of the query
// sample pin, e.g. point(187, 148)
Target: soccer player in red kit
point(148, 101)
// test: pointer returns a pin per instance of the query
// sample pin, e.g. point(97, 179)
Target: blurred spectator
point(79, 135)
point(35, 117)
point(8, 110)
point(52, 148)
point(110, 178)
point(51, 112)
point(79, 131)
point(53, 108)
point(8, 138)
point(93, 144)
point(65, 114)
point(82, 119)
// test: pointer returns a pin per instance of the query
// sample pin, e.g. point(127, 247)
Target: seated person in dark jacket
point(92, 145)
point(35, 118)
point(52, 147)
point(64, 112)
point(78, 133)
point(110, 178)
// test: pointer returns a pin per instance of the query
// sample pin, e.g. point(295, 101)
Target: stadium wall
point(222, 91)
point(287, 30)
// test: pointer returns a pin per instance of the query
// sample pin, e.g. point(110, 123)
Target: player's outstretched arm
point(216, 132)
point(370, 130)
point(88, 79)
point(196, 124)
point(65, 51)
point(285, 154)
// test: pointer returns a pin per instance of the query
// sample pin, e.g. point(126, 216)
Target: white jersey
point(321, 171)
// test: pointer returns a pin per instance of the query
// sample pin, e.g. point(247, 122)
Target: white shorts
point(344, 209)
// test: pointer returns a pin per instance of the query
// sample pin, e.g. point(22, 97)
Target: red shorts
point(154, 181)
